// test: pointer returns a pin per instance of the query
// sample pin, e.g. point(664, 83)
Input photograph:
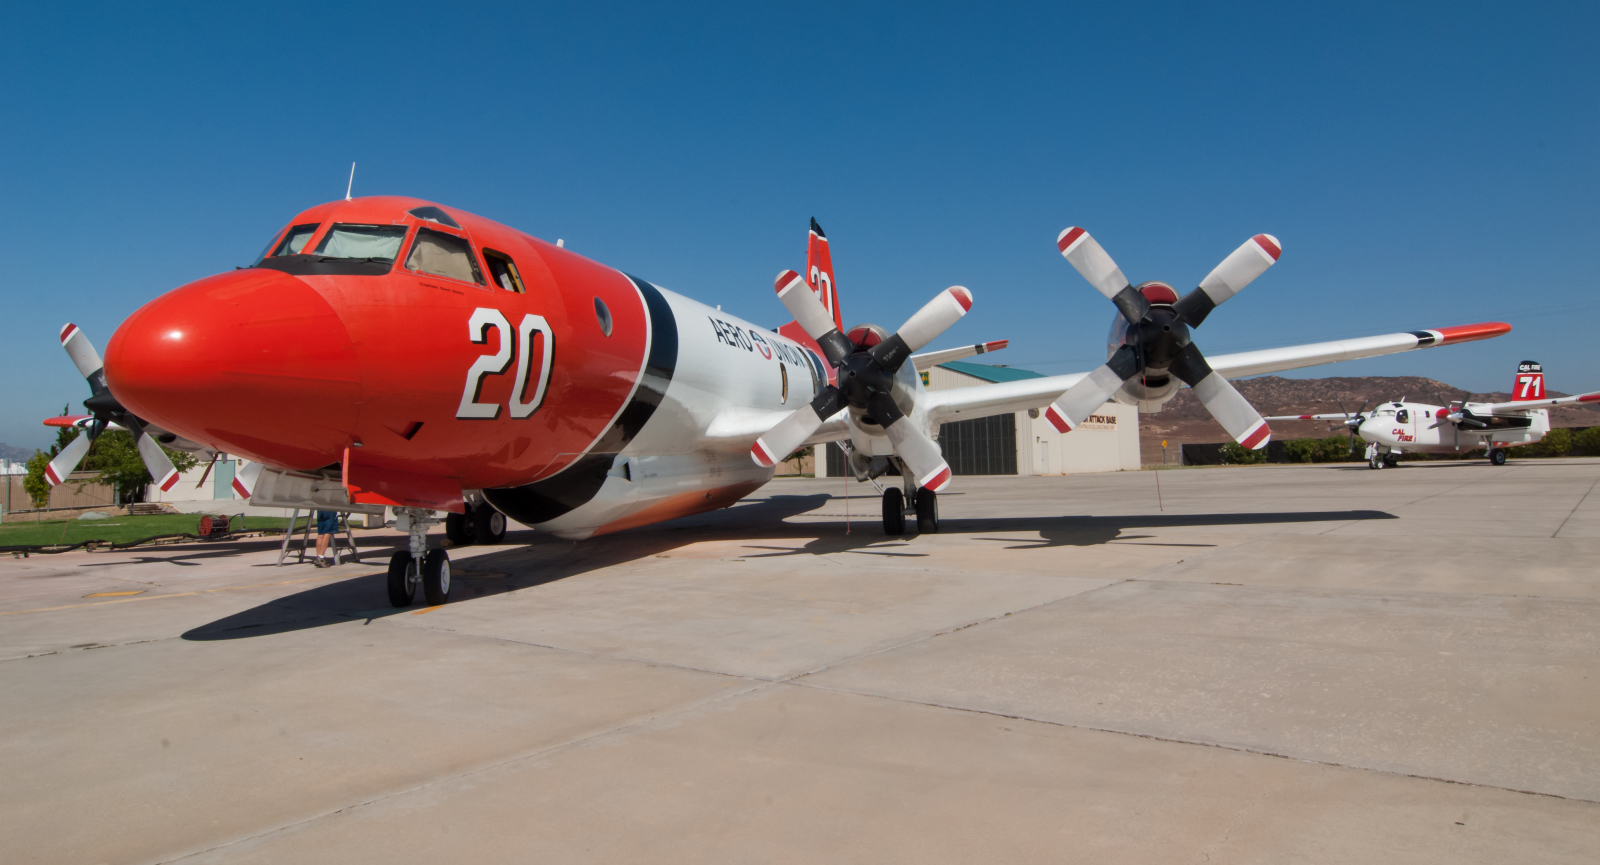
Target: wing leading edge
point(990, 399)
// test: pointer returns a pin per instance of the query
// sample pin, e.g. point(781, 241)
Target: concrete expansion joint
point(1201, 743)
point(614, 730)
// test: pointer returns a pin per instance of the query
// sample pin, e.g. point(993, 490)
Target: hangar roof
point(990, 373)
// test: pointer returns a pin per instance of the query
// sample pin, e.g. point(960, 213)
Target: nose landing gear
point(418, 565)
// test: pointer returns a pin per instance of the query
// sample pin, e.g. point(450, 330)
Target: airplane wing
point(930, 359)
point(990, 399)
point(1513, 409)
point(1308, 417)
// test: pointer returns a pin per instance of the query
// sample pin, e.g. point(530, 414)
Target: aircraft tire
point(488, 525)
point(436, 577)
point(457, 529)
point(894, 512)
point(402, 579)
point(1390, 461)
point(1497, 456)
point(927, 511)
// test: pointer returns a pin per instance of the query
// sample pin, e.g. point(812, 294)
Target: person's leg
point(322, 545)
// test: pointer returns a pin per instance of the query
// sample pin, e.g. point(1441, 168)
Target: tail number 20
point(496, 364)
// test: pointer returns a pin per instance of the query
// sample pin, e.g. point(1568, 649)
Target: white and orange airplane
point(392, 352)
point(1394, 428)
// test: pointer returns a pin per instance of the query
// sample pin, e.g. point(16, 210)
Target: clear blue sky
point(1422, 166)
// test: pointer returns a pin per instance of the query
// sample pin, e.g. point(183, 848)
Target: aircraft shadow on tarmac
point(532, 559)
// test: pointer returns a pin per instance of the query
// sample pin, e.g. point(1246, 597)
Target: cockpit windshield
point(293, 241)
point(376, 243)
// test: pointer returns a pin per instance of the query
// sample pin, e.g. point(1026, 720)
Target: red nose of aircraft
point(254, 361)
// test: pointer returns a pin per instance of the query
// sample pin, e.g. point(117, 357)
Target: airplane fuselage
point(580, 399)
point(1407, 427)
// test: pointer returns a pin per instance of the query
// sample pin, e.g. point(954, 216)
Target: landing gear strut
point(418, 565)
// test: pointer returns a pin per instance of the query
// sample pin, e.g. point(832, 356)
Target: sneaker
point(321, 562)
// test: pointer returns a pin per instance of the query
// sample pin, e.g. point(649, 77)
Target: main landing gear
point(926, 503)
point(481, 524)
point(418, 565)
point(1497, 456)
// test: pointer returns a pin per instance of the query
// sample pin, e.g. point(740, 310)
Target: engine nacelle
point(1156, 387)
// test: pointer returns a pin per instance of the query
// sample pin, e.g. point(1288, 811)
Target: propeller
point(1352, 423)
point(106, 410)
point(865, 379)
point(1156, 341)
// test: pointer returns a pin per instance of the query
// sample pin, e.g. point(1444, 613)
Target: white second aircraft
point(1394, 428)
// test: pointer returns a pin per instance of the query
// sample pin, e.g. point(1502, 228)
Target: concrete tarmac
point(1273, 664)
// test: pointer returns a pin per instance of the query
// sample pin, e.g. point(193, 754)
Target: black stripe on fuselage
point(578, 483)
point(1423, 337)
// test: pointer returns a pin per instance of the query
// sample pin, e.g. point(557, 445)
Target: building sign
point(1099, 421)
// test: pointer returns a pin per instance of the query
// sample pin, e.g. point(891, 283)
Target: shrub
point(1234, 455)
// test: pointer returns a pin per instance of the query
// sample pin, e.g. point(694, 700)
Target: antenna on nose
point(351, 185)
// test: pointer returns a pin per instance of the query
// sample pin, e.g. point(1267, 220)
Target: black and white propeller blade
point(106, 410)
point(1157, 338)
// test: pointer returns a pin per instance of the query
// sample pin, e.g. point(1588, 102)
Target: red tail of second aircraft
point(1530, 382)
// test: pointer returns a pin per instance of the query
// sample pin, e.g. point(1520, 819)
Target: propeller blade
point(921, 455)
point(1219, 396)
point(67, 460)
point(156, 460)
point(83, 355)
point(1087, 257)
point(785, 438)
point(244, 480)
point(1091, 391)
point(814, 318)
point(1238, 270)
point(923, 327)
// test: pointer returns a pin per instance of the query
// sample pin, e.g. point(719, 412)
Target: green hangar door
point(981, 446)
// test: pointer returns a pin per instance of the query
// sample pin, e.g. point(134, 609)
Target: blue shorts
point(327, 522)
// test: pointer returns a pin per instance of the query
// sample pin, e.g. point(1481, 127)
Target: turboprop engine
point(1151, 351)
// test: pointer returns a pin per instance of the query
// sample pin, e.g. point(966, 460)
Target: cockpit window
point(503, 271)
point(433, 214)
point(443, 255)
point(1403, 416)
point(377, 243)
point(293, 241)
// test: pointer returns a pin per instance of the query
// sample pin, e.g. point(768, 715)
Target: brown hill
point(1183, 419)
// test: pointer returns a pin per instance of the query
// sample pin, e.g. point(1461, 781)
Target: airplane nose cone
point(255, 362)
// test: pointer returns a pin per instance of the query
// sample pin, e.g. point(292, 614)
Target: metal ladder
point(347, 542)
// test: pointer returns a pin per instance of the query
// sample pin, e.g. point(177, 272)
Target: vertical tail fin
point(819, 276)
point(1529, 383)
point(819, 272)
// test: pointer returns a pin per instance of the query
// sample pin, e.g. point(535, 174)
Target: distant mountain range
point(1183, 419)
point(15, 454)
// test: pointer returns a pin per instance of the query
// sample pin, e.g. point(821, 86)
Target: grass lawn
point(118, 530)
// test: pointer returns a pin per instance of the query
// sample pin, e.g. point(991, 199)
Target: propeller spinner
point(865, 379)
point(106, 410)
point(1156, 341)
